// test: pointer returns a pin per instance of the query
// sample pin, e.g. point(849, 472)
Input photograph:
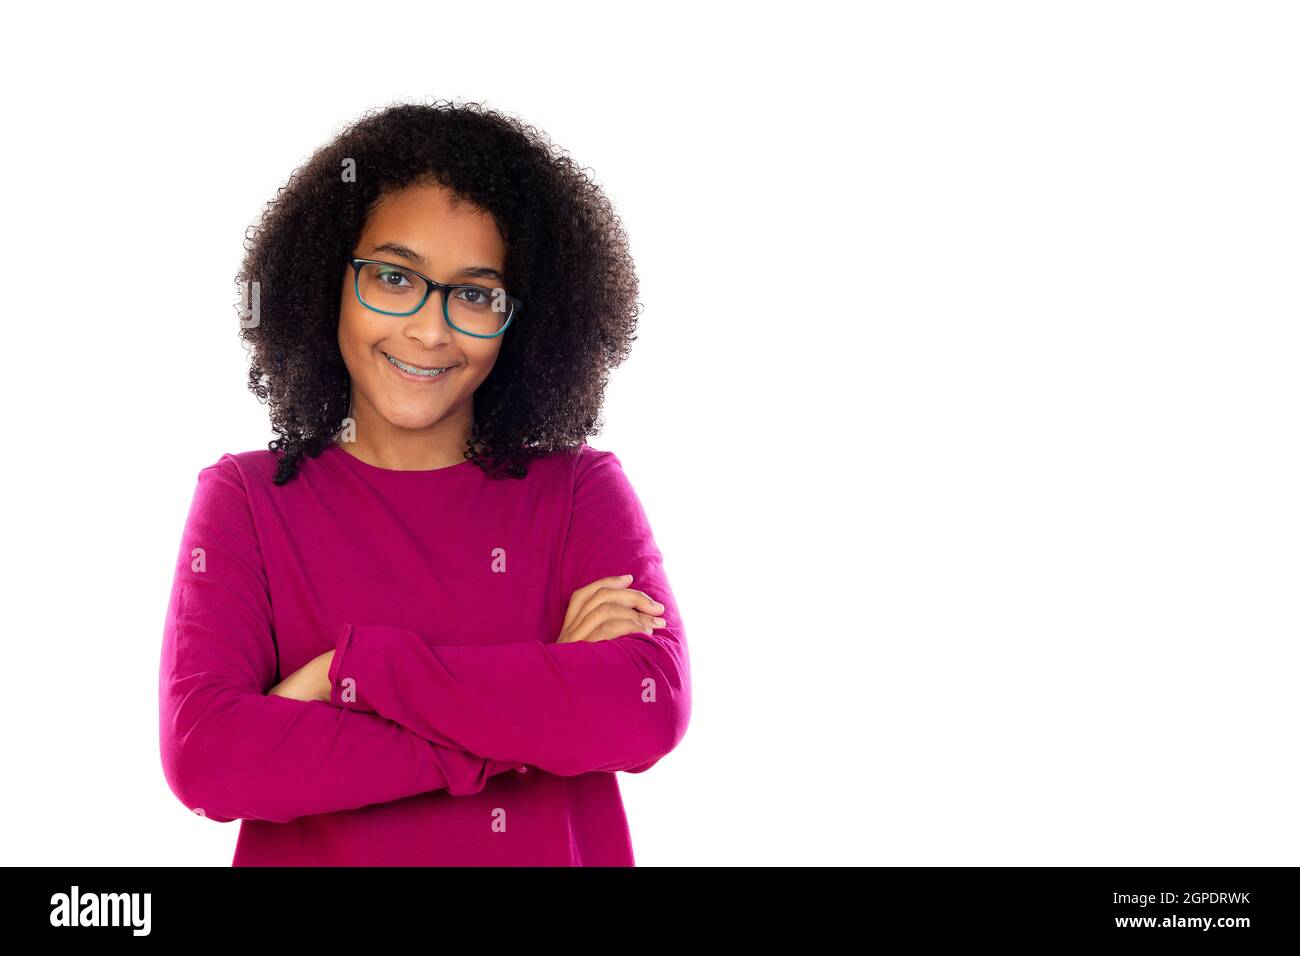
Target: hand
point(309, 682)
point(606, 609)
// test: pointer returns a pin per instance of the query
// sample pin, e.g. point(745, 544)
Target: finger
point(578, 600)
point(610, 620)
point(587, 622)
point(634, 599)
point(587, 598)
point(622, 627)
point(627, 597)
point(606, 602)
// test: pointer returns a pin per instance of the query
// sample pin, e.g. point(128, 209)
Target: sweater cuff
point(345, 682)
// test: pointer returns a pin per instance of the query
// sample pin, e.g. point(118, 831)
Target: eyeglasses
point(476, 310)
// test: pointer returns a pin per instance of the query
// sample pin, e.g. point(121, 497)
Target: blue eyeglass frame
point(516, 305)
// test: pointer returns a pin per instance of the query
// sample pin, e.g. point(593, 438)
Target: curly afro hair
point(567, 258)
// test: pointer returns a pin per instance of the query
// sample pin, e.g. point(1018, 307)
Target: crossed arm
point(385, 714)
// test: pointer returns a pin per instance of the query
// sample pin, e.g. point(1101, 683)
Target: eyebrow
point(405, 252)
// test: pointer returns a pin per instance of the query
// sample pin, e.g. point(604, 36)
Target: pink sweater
point(458, 733)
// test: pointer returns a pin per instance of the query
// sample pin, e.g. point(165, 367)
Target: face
point(429, 230)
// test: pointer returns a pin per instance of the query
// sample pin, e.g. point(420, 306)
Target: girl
point(429, 622)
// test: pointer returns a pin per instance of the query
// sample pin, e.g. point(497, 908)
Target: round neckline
point(364, 467)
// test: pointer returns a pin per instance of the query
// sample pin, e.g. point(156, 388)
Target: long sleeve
point(231, 751)
point(569, 708)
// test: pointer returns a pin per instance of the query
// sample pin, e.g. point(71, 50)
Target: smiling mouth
point(417, 369)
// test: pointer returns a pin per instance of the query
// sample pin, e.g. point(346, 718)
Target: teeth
point(427, 373)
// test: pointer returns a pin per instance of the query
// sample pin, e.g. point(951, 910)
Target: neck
point(378, 442)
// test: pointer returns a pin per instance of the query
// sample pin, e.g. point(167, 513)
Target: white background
point(963, 407)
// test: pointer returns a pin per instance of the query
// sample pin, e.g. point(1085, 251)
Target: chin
point(412, 418)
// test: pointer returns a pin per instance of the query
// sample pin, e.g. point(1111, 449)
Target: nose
point(428, 325)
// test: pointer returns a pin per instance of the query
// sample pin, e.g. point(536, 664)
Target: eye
point(473, 295)
point(394, 277)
